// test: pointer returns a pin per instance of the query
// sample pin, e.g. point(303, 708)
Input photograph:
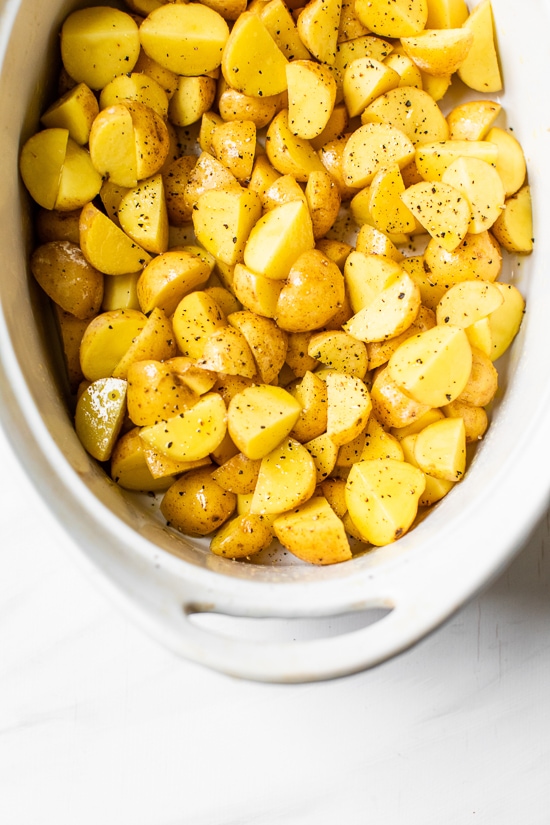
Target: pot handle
point(298, 661)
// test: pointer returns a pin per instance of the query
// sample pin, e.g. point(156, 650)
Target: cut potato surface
point(274, 244)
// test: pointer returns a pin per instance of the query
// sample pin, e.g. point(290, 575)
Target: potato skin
point(196, 504)
point(67, 278)
point(314, 292)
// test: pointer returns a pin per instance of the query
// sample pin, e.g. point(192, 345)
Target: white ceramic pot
point(164, 579)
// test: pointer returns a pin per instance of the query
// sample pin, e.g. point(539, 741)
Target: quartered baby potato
point(273, 238)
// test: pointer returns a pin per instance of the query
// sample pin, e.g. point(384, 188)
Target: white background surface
point(101, 726)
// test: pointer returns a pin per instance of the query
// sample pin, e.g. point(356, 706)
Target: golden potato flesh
point(186, 39)
point(99, 43)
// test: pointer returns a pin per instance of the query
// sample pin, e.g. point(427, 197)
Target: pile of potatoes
point(232, 198)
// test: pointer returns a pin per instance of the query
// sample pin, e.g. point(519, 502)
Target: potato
point(170, 276)
point(197, 315)
point(366, 275)
point(446, 14)
point(432, 414)
point(193, 433)
point(208, 173)
point(278, 20)
point(404, 18)
point(472, 120)
point(440, 449)
point(258, 71)
point(324, 453)
point(135, 86)
point(372, 241)
point(505, 321)
point(175, 177)
point(379, 352)
point(510, 163)
point(278, 239)
point(391, 312)
point(52, 225)
point(311, 393)
point(229, 9)
point(106, 246)
point(391, 406)
point(268, 343)
point(318, 24)
point(431, 291)
point(513, 228)
point(67, 278)
point(256, 292)
point(148, 67)
point(350, 27)
point(434, 366)
point(154, 393)
point(287, 478)
point(128, 142)
point(99, 416)
point(238, 474)
point(187, 40)
point(337, 124)
point(478, 256)
point(130, 470)
point(348, 406)
point(162, 467)
point(107, 338)
point(364, 45)
point(436, 488)
point(224, 219)
point(97, 44)
point(442, 208)
point(482, 384)
point(314, 291)
point(121, 292)
point(297, 357)
point(260, 417)
point(143, 215)
point(439, 51)
point(226, 350)
point(364, 80)
point(379, 443)
point(193, 96)
point(475, 419)
point(196, 505)
point(340, 351)
point(234, 105)
point(382, 498)
point(155, 340)
point(283, 190)
point(370, 148)
point(480, 69)
point(314, 533)
point(388, 209)
point(288, 153)
point(57, 172)
point(409, 73)
point(234, 145)
point(467, 305)
point(74, 111)
point(331, 155)
point(311, 97)
point(241, 537)
point(71, 330)
point(432, 159)
point(481, 185)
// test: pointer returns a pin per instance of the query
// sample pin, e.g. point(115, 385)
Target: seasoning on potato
point(274, 249)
